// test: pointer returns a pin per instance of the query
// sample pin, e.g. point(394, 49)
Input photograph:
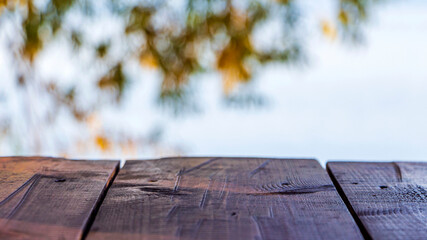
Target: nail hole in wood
point(383, 187)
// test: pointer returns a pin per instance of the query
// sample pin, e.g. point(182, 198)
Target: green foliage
point(176, 38)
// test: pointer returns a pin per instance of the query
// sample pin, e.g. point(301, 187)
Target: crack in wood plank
point(398, 171)
point(172, 211)
point(19, 189)
point(205, 194)
point(292, 190)
point(22, 200)
point(259, 168)
point(270, 212)
point(200, 165)
point(178, 179)
point(221, 192)
point(258, 227)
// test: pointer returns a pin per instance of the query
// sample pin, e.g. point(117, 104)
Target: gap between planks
point(99, 202)
point(350, 208)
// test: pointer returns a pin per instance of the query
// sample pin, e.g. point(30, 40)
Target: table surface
point(211, 198)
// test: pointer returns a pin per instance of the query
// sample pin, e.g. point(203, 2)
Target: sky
point(364, 102)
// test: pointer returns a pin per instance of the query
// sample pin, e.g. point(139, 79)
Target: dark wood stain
point(223, 198)
point(47, 198)
point(390, 199)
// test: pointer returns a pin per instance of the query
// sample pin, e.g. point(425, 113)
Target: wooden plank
point(223, 198)
point(47, 198)
point(389, 200)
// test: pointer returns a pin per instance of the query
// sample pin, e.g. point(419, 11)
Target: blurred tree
point(177, 38)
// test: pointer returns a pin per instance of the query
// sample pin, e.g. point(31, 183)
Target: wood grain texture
point(47, 198)
point(223, 198)
point(389, 200)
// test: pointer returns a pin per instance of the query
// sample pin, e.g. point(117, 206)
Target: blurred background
point(329, 79)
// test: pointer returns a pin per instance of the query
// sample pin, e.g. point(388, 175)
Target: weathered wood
point(47, 198)
point(223, 198)
point(389, 200)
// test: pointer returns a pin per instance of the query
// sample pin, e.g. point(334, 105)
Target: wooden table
point(211, 198)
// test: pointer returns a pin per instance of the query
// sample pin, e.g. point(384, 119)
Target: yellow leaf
point(103, 143)
point(231, 64)
point(329, 30)
point(343, 17)
point(148, 60)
